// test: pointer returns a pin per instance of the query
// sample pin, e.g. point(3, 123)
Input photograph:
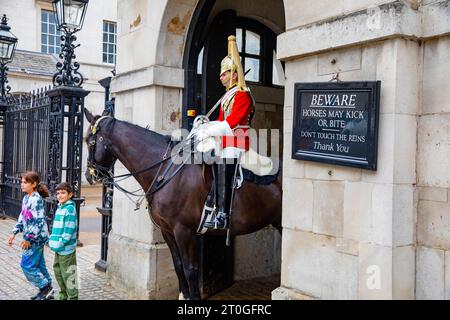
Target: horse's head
point(100, 160)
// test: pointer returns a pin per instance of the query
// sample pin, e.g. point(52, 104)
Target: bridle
point(97, 172)
point(105, 174)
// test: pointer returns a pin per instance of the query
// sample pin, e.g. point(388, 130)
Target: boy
point(63, 242)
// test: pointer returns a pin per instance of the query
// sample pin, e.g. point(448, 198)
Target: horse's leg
point(177, 263)
point(187, 244)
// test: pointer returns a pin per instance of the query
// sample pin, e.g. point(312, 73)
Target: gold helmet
point(232, 62)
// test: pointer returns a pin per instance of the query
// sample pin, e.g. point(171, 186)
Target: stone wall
point(148, 93)
point(339, 222)
point(351, 233)
point(433, 163)
point(148, 89)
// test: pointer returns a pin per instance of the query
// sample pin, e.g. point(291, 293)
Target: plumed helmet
point(232, 63)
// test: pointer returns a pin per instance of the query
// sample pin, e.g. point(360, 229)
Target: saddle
point(258, 169)
point(253, 168)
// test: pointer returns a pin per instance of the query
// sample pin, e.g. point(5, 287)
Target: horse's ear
point(89, 115)
point(106, 113)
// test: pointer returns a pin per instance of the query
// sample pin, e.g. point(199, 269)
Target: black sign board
point(337, 122)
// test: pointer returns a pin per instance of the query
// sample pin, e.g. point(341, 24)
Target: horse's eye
point(92, 143)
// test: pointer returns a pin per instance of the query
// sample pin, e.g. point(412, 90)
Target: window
point(256, 45)
point(50, 35)
point(249, 46)
point(278, 78)
point(109, 42)
point(200, 62)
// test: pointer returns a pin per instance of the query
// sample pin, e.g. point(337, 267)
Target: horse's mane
point(147, 133)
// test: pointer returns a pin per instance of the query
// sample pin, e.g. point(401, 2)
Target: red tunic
point(241, 110)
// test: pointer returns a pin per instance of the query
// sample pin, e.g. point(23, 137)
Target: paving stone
point(15, 286)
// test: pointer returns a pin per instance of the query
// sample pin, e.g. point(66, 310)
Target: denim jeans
point(33, 266)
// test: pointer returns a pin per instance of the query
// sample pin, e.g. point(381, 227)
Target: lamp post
point(69, 16)
point(67, 104)
point(8, 43)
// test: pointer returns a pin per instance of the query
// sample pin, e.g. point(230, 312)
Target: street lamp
point(8, 43)
point(69, 16)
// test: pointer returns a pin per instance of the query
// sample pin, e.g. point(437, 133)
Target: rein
point(159, 181)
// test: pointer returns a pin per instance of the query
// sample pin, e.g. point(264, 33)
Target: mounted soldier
point(236, 112)
point(150, 159)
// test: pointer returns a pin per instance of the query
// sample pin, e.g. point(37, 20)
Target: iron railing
point(43, 132)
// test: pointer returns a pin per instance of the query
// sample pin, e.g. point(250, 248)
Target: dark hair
point(64, 186)
point(33, 177)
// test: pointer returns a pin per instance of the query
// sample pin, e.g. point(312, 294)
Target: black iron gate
point(43, 131)
point(3, 107)
point(26, 133)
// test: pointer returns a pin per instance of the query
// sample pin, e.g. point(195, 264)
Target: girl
point(35, 234)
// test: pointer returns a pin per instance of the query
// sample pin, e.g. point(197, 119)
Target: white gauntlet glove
point(221, 128)
point(204, 135)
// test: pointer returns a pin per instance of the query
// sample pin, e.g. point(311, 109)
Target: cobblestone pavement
point(14, 286)
point(252, 289)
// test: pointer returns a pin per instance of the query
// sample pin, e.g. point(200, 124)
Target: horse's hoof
point(181, 296)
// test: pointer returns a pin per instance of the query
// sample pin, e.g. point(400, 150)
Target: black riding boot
point(224, 174)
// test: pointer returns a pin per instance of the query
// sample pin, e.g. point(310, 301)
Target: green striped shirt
point(63, 239)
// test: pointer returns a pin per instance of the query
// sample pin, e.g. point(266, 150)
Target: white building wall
point(148, 89)
point(433, 163)
point(25, 22)
point(147, 93)
point(351, 233)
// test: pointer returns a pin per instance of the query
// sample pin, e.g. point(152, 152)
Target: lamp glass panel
point(73, 12)
point(3, 51)
point(6, 50)
point(12, 48)
point(59, 12)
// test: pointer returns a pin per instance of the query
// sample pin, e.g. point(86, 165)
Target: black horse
point(177, 207)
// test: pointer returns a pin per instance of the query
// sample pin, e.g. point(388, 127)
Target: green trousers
point(65, 269)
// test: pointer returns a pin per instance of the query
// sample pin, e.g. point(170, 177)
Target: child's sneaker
point(45, 293)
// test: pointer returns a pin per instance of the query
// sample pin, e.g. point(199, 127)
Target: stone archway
point(147, 89)
point(259, 254)
point(152, 39)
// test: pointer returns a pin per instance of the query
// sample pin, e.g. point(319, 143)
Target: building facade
point(157, 82)
point(32, 22)
point(347, 233)
point(358, 234)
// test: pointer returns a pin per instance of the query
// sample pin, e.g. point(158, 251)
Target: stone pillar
point(148, 93)
point(350, 233)
point(433, 159)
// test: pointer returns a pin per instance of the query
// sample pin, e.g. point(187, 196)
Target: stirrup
point(220, 222)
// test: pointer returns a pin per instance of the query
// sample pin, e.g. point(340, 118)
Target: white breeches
point(232, 152)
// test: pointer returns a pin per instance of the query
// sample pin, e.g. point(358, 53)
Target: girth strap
point(161, 181)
